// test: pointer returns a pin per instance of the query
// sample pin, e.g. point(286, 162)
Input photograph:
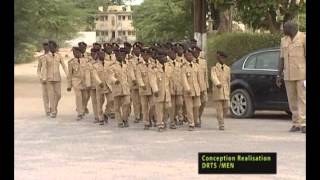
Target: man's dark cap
point(122, 50)
point(107, 45)
point(221, 53)
point(115, 44)
point(196, 48)
point(146, 50)
point(126, 44)
point(45, 44)
point(193, 40)
point(82, 44)
point(188, 50)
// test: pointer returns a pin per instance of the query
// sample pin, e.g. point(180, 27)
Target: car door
point(264, 69)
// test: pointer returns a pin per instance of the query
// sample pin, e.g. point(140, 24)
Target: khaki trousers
point(203, 99)
point(85, 97)
point(54, 92)
point(222, 107)
point(101, 97)
point(93, 96)
point(296, 93)
point(176, 108)
point(79, 100)
point(192, 108)
point(160, 111)
point(45, 97)
point(136, 103)
point(121, 108)
point(146, 104)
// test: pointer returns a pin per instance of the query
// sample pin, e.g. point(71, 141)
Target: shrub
point(24, 54)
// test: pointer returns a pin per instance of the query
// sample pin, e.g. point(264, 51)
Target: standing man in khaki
point(42, 74)
point(119, 75)
point(204, 83)
point(220, 76)
point(292, 68)
point(191, 88)
point(86, 93)
point(54, 60)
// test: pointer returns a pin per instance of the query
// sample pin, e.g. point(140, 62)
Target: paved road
point(63, 149)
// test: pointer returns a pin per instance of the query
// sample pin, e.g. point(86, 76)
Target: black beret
point(115, 44)
point(82, 44)
point(122, 50)
point(221, 53)
point(193, 40)
point(196, 48)
point(126, 44)
point(45, 44)
point(188, 50)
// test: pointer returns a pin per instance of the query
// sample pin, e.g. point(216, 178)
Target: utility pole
point(199, 21)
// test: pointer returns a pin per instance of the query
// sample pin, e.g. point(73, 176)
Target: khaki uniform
point(160, 82)
point(105, 92)
point(190, 80)
point(204, 83)
point(176, 90)
point(135, 97)
point(92, 80)
point(54, 79)
point(294, 54)
point(182, 60)
point(220, 74)
point(143, 73)
point(42, 74)
point(121, 91)
point(76, 80)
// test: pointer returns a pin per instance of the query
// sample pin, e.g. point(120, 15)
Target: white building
point(115, 24)
point(88, 37)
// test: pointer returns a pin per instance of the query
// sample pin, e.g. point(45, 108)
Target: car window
point(268, 60)
point(251, 62)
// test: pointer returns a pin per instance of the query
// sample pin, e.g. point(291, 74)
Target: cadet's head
point(115, 46)
point(171, 54)
point(221, 56)
point(193, 42)
point(145, 53)
point(120, 54)
point(136, 50)
point(290, 28)
point(162, 57)
point(76, 52)
point(108, 48)
point(188, 54)
point(179, 49)
point(94, 54)
point(45, 46)
point(127, 46)
point(82, 46)
point(101, 55)
point(196, 51)
point(97, 46)
point(52, 46)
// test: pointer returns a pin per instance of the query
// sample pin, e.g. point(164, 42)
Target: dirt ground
point(64, 149)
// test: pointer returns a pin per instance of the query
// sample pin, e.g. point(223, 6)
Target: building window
point(129, 17)
point(101, 18)
point(133, 33)
point(97, 19)
point(123, 17)
point(119, 18)
point(106, 33)
point(106, 18)
point(129, 33)
point(113, 21)
point(97, 33)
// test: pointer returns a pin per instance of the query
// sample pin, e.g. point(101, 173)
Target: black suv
point(253, 84)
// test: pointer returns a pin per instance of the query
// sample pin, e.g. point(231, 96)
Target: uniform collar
point(219, 65)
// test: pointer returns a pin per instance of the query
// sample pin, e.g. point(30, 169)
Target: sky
point(134, 2)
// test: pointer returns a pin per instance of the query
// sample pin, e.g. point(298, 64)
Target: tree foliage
point(163, 20)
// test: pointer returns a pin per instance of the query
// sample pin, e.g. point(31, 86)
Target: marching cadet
point(92, 81)
point(76, 79)
point(132, 63)
point(103, 91)
point(115, 47)
point(119, 76)
point(191, 88)
point(143, 73)
point(86, 93)
point(127, 47)
point(54, 60)
point(204, 83)
point(220, 76)
point(160, 84)
point(292, 69)
point(175, 89)
point(42, 74)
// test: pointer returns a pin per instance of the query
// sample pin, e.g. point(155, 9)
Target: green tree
point(163, 20)
point(222, 15)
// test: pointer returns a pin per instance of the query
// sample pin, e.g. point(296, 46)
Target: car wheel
point(241, 105)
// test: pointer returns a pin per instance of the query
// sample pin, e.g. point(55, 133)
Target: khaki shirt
point(220, 76)
point(109, 59)
point(160, 82)
point(76, 73)
point(123, 74)
point(294, 54)
point(132, 65)
point(53, 66)
point(92, 77)
point(204, 83)
point(176, 78)
point(143, 73)
point(42, 68)
point(102, 73)
point(191, 78)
